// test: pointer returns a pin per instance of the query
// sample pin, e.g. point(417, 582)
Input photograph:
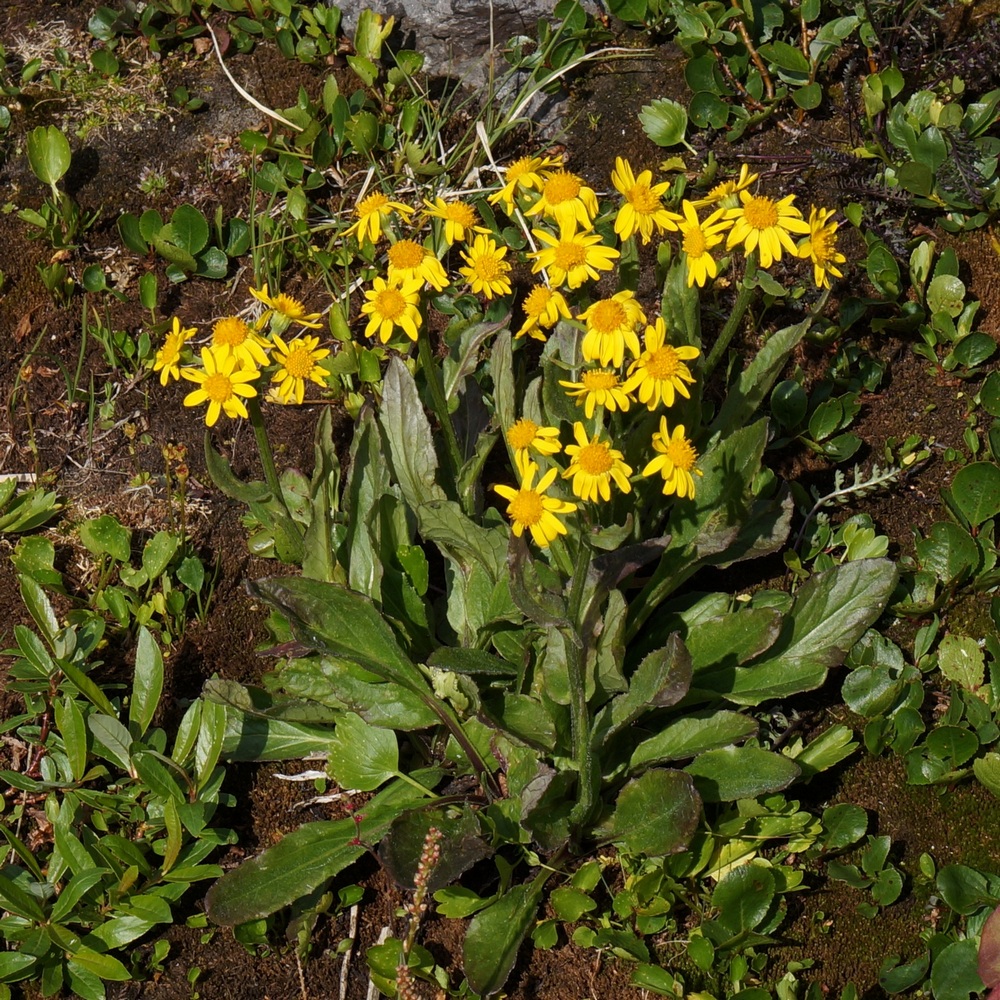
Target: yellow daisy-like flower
point(543, 307)
point(391, 304)
point(372, 212)
point(821, 246)
point(594, 463)
point(660, 372)
point(726, 191)
point(566, 199)
point(697, 240)
point(525, 436)
point(571, 258)
point(529, 173)
point(458, 217)
point(529, 507)
point(487, 271)
point(290, 309)
point(643, 207)
point(168, 358)
point(674, 461)
point(220, 384)
point(231, 335)
point(408, 259)
point(297, 361)
point(764, 223)
point(598, 387)
point(611, 327)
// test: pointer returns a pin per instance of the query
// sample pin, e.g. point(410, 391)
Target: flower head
point(297, 361)
point(725, 191)
point(643, 207)
point(821, 246)
point(458, 217)
point(168, 357)
point(571, 258)
point(764, 223)
point(408, 259)
point(566, 199)
point(220, 384)
point(543, 307)
point(231, 335)
point(487, 271)
point(371, 213)
point(593, 464)
point(611, 327)
point(529, 507)
point(393, 303)
point(660, 372)
point(598, 387)
point(674, 460)
point(529, 173)
point(697, 239)
point(290, 309)
point(525, 437)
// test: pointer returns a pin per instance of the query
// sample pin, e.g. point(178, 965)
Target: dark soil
point(48, 430)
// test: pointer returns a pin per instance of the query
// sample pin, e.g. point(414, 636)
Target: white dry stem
point(352, 933)
point(372, 988)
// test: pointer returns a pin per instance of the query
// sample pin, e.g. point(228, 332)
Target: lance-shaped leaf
point(304, 859)
point(741, 773)
point(693, 734)
point(335, 620)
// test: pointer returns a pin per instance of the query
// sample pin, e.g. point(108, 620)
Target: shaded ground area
point(50, 428)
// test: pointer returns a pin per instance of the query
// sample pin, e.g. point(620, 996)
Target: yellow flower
point(725, 191)
point(526, 436)
point(168, 357)
point(457, 216)
point(391, 304)
point(566, 199)
point(571, 258)
point(598, 387)
point(371, 213)
point(290, 309)
point(660, 370)
point(529, 507)
point(529, 173)
point(594, 463)
point(697, 239)
point(220, 384)
point(765, 223)
point(542, 308)
point(408, 259)
point(231, 335)
point(674, 461)
point(297, 362)
point(487, 273)
point(643, 208)
point(611, 327)
point(821, 246)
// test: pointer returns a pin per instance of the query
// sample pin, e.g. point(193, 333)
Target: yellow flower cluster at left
point(239, 353)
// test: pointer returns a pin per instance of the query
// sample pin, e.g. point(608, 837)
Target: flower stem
point(747, 287)
point(433, 375)
point(264, 450)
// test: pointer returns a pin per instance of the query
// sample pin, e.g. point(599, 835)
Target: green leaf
point(954, 974)
point(741, 773)
point(693, 734)
point(105, 966)
point(105, 535)
point(456, 902)
point(114, 742)
point(495, 934)
point(843, 824)
point(48, 153)
point(18, 901)
point(961, 660)
point(987, 772)
point(73, 729)
point(362, 757)
point(208, 748)
point(89, 690)
point(665, 122)
point(976, 489)
point(347, 625)
point(744, 897)
point(570, 904)
point(75, 890)
point(190, 229)
point(15, 965)
point(661, 680)
point(304, 859)
point(147, 684)
point(470, 661)
point(656, 814)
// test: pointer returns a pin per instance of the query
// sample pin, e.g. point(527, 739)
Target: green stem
point(264, 450)
point(747, 287)
point(433, 375)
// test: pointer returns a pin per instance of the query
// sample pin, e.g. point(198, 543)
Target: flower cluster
point(238, 354)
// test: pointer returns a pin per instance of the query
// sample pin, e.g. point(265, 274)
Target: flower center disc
point(522, 434)
point(694, 244)
point(487, 268)
point(681, 454)
point(218, 388)
point(526, 507)
point(594, 459)
point(462, 214)
point(608, 317)
point(406, 255)
point(562, 187)
point(642, 199)
point(299, 362)
point(537, 300)
point(230, 332)
point(761, 213)
point(569, 255)
point(596, 380)
point(390, 303)
point(663, 363)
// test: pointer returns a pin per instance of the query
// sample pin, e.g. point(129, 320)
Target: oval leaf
point(657, 813)
point(741, 773)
